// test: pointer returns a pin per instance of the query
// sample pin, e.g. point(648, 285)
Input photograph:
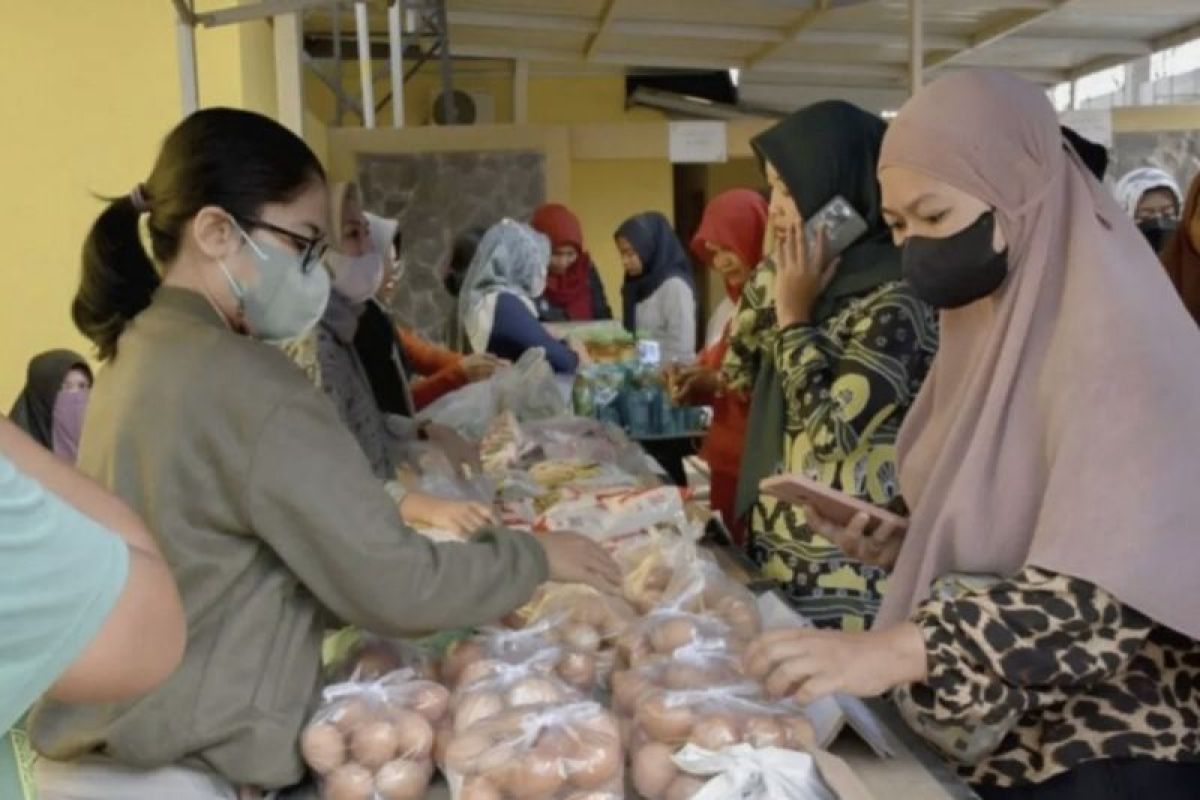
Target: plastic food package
point(374, 740)
point(426, 468)
point(648, 564)
point(585, 623)
point(563, 752)
point(713, 718)
point(504, 445)
point(528, 389)
point(610, 514)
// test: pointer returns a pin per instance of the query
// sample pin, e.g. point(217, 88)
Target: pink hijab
point(1060, 424)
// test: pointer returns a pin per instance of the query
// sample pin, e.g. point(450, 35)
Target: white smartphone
point(838, 223)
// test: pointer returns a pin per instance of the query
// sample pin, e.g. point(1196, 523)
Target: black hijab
point(33, 411)
point(662, 256)
point(824, 150)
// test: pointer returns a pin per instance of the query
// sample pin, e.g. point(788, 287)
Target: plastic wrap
point(353, 655)
point(713, 718)
point(562, 752)
point(374, 740)
point(606, 515)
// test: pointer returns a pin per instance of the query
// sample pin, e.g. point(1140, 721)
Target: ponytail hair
point(236, 160)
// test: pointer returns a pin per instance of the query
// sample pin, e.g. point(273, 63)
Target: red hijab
point(734, 220)
point(570, 291)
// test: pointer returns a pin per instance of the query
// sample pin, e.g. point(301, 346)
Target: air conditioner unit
point(470, 108)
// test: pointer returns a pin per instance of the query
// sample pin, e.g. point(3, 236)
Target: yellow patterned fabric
point(847, 383)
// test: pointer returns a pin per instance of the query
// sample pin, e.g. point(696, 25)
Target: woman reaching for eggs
point(1040, 626)
point(265, 507)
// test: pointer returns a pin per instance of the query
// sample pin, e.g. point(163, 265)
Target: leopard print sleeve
point(1017, 646)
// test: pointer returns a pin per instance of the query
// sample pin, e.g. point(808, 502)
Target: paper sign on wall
point(698, 143)
point(1095, 125)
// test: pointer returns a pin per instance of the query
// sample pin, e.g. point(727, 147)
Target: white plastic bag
point(750, 773)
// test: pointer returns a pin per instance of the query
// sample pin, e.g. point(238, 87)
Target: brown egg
point(534, 775)
point(578, 669)
point(414, 736)
point(594, 763)
point(477, 672)
point(375, 660)
point(684, 787)
point(478, 788)
point(533, 692)
point(465, 751)
point(476, 707)
point(458, 657)
point(350, 782)
point(685, 676)
point(799, 732)
point(603, 725)
point(740, 614)
point(664, 722)
point(403, 780)
point(672, 634)
point(763, 732)
point(323, 747)
point(715, 732)
point(627, 687)
point(351, 714)
point(441, 742)
point(374, 744)
point(580, 636)
point(653, 770)
point(430, 701)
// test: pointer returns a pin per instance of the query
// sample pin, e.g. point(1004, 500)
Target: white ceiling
point(791, 51)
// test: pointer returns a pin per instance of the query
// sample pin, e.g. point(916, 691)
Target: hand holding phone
point(865, 532)
point(806, 260)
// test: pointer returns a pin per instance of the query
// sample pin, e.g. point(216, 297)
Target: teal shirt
point(62, 575)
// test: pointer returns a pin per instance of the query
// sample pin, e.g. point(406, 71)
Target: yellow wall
point(94, 88)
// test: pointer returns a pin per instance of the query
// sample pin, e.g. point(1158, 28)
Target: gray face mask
point(287, 300)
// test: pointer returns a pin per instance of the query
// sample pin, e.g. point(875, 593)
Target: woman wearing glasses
point(272, 522)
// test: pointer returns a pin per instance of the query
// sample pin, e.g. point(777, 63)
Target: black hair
point(237, 160)
point(461, 253)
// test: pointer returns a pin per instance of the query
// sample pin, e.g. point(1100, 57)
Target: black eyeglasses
point(312, 249)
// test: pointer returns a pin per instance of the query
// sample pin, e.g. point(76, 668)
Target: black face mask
point(957, 270)
point(1158, 230)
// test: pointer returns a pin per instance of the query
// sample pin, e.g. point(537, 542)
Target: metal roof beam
point(990, 34)
point(793, 31)
point(263, 9)
point(1176, 37)
point(606, 18)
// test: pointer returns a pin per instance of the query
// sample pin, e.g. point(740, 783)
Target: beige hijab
point(1060, 424)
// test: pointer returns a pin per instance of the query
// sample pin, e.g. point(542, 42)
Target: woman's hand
point(580, 350)
point(800, 277)
point(481, 366)
point(577, 559)
point(455, 516)
point(877, 547)
point(694, 385)
point(807, 664)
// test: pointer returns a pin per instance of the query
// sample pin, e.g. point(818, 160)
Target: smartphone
point(839, 224)
point(837, 507)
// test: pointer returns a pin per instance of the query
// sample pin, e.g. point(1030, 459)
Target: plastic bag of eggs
point(661, 632)
point(695, 665)
point(648, 565)
point(713, 718)
point(363, 656)
point(702, 587)
point(374, 740)
point(539, 644)
point(559, 752)
point(585, 623)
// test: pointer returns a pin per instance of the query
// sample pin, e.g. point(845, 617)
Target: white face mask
point(286, 301)
point(356, 278)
